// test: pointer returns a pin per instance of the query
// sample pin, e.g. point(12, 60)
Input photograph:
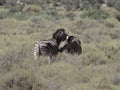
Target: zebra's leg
point(53, 59)
point(36, 51)
point(35, 55)
point(49, 59)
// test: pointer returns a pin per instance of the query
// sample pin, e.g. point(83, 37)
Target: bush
point(114, 3)
point(117, 5)
point(3, 15)
point(111, 3)
point(2, 2)
point(52, 12)
point(88, 4)
point(16, 8)
point(12, 2)
point(8, 6)
point(70, 4)
point(118, 17)
point(30, 1)
point(92, 1)
point(31, 9)
point(94, 14)
point(109, 25)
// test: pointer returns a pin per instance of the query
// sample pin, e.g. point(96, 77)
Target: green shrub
point(31, 1)
point(8, 6)
point(114, 3)
point(88, 4)
point(16, 8)
point(92, 1)
point(72, 5)
point(117, 5)
point(111, 3)
point(94, 14)
point(52, 12)
point(12, 2)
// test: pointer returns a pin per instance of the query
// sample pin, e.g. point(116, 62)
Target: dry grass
point(97, 68)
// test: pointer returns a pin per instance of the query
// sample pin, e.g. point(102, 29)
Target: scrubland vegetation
point(97, 25)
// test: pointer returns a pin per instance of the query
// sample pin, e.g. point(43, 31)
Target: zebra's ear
point(55, 34)
point(63, 30)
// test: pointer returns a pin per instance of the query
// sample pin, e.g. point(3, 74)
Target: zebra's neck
point(58, 41)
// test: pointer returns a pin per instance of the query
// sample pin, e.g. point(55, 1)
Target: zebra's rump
point(74, 48)
point(45, 48)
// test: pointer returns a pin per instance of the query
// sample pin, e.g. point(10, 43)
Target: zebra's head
point(60, 35)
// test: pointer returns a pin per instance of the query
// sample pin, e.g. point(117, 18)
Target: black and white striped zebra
point(50, 47)
point(72, 45)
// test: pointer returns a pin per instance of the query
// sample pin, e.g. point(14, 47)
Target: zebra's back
point(45, 48)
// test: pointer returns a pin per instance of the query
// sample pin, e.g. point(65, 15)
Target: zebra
point(50, 47)
point(72, 45)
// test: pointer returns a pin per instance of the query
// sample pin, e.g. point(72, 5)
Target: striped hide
point(50, 47)
point(72, 45)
